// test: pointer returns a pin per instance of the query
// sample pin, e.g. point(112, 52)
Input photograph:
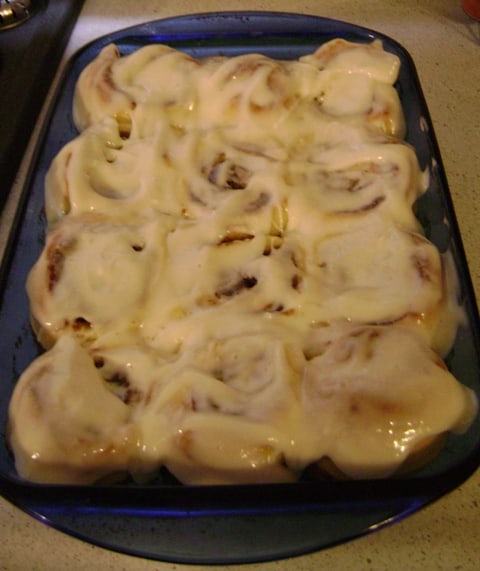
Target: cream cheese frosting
point(234, 285)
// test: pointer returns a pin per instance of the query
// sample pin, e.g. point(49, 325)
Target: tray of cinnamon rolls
point(236, 284)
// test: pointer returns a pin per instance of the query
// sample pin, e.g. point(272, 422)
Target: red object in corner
point(472, 8)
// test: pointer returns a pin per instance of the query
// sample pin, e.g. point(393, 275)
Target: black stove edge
point(30, 55)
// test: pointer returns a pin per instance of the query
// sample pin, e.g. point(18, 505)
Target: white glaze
point(242, 267)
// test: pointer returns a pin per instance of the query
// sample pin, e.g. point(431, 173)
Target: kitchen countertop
point(445, 45)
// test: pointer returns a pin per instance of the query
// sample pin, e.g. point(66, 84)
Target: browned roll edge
point(423, 453)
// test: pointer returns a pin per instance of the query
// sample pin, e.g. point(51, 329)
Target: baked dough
point(234, 285)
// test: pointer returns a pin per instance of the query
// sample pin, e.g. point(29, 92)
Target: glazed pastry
point(234, 286)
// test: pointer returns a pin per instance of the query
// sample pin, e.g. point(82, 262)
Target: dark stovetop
point(29, 57)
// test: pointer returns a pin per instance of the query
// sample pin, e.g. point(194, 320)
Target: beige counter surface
point(445, 45)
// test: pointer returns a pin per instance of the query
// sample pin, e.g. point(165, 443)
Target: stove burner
point(13, 13)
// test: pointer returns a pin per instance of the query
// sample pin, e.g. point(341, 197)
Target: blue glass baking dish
point(231, 524)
